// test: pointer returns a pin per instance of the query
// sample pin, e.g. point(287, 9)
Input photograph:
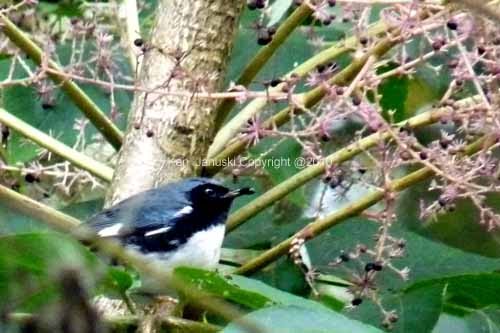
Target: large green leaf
point(276, 295)
point(486, 320)
point(459, 228)
point(293, 319)
point(214, 284)
point(427, 259)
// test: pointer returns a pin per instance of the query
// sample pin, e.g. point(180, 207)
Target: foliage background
point(454, 282)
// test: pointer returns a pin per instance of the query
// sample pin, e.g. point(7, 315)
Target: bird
point(180, 223)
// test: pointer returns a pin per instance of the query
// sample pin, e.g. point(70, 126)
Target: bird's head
point(209, 195)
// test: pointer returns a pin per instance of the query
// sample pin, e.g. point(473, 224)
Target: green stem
point(292, 183)
point(55, 146)
point(232, 127)
point(37, 210)
point(308, 99)
point(113, 249)
point(319, 226)
point(264, 54)
point(96, 116)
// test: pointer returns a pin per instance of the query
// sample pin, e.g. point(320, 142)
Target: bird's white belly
point(202, 250)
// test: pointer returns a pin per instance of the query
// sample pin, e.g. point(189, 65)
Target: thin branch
point(232, 127)
point(321, 225)
point(262, 57)
point(292, 183)
point(113, 249)
point(480, 8)
point(96, 116)
point(79, 159)
point(308, 100)
point(29, 207)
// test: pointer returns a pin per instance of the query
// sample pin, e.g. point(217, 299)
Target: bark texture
point(167, 135)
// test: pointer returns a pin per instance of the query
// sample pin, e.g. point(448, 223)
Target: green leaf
point(404, 95)
point(427, 259)
point(471, 291)
point(275, 295)
point(418, 309)
point(484, 321)
point(58, 118)
point(449, 323)
point(459, 228)
point(294, 319)
point(117, 280)
point(214, 284)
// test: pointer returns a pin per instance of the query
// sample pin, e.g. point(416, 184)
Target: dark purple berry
point(356, 100)
point(260, 4)
point(452, 24)
point(356, 301)
point(264, 37)
point(47, 105)
point(31, 178)
point(332, 3)
point(453, 63)
point(369, 267)
point(138, 42)
point(275, 82)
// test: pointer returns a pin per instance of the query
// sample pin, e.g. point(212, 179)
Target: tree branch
point(231, 128)
point(55, 146)
point(314, 229)
point(96, 116)
point(308, 100)
point(264, 54)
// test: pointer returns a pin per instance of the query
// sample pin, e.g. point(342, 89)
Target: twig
point(232, 127)
point(113, 249)
point(319, 226)
point(55, 146)
point(308, 99)
point(292, 183)
point(103, 124)
point(37, 210)
point(264, 54)
point(480, 8)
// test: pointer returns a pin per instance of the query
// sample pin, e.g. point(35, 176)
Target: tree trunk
point(168, 134)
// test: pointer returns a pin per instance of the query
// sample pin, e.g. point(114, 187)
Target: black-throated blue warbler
point(177, 224)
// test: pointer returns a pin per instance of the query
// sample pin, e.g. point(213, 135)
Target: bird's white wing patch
point(111, 231)
point(184, 211)
point(157, 231)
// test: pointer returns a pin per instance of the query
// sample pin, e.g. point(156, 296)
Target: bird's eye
point(210, 192)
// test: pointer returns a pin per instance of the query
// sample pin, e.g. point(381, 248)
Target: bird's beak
point(239, 192)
